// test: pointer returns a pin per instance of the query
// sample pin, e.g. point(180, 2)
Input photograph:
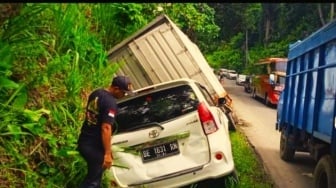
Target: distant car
point(231, 74)
point(241, 78)
point(222, 71)
point(170, 134)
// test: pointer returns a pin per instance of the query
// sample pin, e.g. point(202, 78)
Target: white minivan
point(170, 134)
point(241, 78)
point(231, 74)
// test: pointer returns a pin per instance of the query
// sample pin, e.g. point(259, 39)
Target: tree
point(196, 20)
point(252, 15)
point(269, 18)
point(321, 8)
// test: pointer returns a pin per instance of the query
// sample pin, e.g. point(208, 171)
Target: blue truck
point(306, 113)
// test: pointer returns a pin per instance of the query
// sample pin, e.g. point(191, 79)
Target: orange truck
point(269, 84)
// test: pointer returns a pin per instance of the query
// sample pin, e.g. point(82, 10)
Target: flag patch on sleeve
point(111, 113)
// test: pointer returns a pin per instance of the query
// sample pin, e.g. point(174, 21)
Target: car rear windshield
point(157, 107)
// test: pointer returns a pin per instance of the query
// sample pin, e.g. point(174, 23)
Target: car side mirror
point(271, 79)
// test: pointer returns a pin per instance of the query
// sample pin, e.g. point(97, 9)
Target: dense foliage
point(251, 31)
point(53, 55)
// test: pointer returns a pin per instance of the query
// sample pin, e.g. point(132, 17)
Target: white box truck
point(161, 52)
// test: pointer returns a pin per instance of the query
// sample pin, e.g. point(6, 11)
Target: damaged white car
point(170, 135)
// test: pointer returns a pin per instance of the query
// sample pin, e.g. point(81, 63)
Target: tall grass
point(116, 21)
point(56, 61)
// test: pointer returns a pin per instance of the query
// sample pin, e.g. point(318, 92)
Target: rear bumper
point(214, 169)
point(208, 172)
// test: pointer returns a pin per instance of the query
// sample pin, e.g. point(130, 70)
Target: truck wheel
point(325, 173)
point(267, 103)
point(232, 123)
point(286, 152)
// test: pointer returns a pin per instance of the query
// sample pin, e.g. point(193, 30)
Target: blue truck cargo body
point(306, 110)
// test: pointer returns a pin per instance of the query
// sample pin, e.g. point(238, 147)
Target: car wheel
point(232, 123)
point(226, 181)
point(231, 179)
point(325, 172)
point(286, 151)
point(234, 176)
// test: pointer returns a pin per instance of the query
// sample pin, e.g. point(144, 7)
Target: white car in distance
point(241, 78)
point(231, 74)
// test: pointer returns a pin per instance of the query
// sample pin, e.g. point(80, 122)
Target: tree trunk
point(332, 9)
point(246, 48)
point(267, 30)
point(320, 13)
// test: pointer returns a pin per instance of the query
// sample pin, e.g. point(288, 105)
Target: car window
point(207, 95)
point(281, 80)
point(155, 107)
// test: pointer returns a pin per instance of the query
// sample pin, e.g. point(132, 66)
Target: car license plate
point(160, 151)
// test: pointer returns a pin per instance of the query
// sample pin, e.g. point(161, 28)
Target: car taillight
point(207, 120)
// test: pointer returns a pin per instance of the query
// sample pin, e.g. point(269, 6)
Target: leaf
point(33, 128)
point(35, 115)
point(20, 99)
point(7, 83)
point(14, 129)
point(66, 152)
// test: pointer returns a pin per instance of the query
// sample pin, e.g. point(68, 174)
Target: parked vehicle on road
point(222, 71)
point(222, 75)
point(231, 74)
point(269, 84)
point(241, 78)
point(161, 52)
point(170, 135)
point(306, 114)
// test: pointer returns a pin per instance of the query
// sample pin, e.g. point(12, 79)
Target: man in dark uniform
point(94, 142)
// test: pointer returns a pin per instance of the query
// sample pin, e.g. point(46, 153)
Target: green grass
point(248, 164)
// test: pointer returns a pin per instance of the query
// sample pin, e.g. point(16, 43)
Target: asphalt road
point(257, 122)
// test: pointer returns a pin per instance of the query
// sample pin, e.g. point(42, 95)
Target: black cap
point(122, 82)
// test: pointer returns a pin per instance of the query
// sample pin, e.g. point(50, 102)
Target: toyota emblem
point(153, 133)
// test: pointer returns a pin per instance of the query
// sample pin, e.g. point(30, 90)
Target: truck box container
point(162, 52)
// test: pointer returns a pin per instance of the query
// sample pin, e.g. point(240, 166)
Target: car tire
point(232, 123)
point(234, 176)
point(286, 151)
point(226, 181)
point(325, 172)
point(231, 179)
